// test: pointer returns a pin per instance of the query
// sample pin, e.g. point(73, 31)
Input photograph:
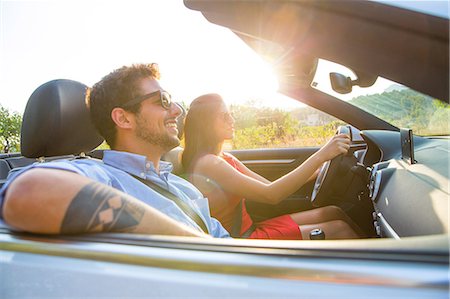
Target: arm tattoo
point(97, 208)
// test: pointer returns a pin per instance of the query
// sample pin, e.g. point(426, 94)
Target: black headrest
point(56, 121)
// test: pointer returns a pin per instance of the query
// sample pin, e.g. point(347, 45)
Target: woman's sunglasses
point(164, 98)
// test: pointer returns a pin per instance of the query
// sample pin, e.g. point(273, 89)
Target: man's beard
point(165, 141)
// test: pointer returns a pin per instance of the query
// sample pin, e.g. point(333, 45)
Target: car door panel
point(272, 164)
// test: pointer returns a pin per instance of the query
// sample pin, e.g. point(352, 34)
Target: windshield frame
point(392, 102)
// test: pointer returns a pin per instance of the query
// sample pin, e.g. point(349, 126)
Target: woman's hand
point(337, 145)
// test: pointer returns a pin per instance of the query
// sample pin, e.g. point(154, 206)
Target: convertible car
point(394, 182)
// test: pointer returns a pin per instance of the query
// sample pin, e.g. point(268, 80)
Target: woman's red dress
point(278, 228)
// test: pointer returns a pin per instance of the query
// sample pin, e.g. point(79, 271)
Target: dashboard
point(410, 199)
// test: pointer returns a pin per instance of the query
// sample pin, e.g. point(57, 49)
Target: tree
point(10, 123)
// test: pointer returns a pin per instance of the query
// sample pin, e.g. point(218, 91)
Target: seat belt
point(237, 224)
point(187, 209)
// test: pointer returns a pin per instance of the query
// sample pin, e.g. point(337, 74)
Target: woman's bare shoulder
point(208, 161)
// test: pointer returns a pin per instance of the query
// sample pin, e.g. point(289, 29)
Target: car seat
point(56, 122)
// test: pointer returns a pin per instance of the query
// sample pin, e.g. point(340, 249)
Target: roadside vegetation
point(10, 123)
point(408, 109)
point(271, 128)
point(262, 127)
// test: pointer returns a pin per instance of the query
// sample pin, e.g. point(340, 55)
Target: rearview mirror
point(343, 84)
point(340, 83)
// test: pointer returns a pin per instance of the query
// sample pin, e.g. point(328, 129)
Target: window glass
point(265, 127)
point(396, 104)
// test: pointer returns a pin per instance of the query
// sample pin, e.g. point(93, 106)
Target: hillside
point(406, 108)
point(399, 106)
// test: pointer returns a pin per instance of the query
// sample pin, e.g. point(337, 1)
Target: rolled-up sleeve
point(91, 172)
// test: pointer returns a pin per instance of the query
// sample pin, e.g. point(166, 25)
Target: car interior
point(56, 125)
point(365, 38)
point(393, 183)
point(374, 184)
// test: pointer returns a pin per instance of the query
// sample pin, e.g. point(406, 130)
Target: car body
point(403, 205)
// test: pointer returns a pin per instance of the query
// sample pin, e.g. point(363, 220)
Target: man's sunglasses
point(164, 98)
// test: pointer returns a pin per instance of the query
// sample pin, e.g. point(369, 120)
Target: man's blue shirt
point(116, 171)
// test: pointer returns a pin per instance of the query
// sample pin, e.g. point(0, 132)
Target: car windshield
point(390, 101)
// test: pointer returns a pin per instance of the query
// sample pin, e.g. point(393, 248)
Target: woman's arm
point(245, 170)
point(260, 178)
point(54, 201)
point(252, 188)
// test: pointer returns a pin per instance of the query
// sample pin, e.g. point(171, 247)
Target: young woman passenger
point(227, 182)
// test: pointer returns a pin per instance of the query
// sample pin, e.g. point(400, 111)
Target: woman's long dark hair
point(199, 137)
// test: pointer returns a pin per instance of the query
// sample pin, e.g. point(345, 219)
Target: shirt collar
point(133, 163)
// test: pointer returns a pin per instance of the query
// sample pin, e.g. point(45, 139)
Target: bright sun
point(256, 82)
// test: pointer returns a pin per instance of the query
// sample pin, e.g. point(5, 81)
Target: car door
point(273, 163)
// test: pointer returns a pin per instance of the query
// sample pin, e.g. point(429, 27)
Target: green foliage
point(408, 109)
point(317, 135)
point(10, 123)
point(263, 127)
point(439, 120)
point(302, 114)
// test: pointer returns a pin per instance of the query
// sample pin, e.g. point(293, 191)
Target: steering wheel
point(323, 187)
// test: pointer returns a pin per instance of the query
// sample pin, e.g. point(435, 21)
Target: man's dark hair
point(114, 90)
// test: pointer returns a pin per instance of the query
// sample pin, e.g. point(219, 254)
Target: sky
point(85, 40)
